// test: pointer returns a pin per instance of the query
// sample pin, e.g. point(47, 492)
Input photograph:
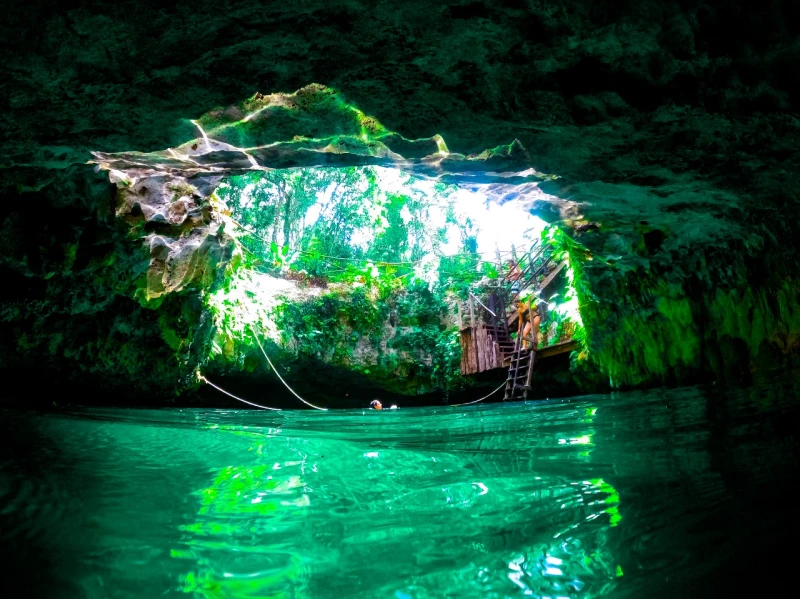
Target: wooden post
point(476, 334)
point(493, 320)
point(458, 309)
point(471, 312)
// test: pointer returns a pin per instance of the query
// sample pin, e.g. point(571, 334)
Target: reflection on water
point(612, 495)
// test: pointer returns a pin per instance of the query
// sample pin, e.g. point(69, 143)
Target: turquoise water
point(663, 493)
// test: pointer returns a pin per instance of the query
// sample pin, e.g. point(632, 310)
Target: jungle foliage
point(387, 305)
point(379, 248)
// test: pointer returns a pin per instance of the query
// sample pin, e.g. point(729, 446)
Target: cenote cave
point(399, 299)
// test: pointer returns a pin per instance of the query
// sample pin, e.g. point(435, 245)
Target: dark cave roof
point(653, 95)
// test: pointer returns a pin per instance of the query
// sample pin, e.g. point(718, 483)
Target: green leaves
point(341, 225)
point(489, 270)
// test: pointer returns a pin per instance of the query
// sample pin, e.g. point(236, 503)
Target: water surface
point(660, 493)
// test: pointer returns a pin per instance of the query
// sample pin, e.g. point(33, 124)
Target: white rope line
point(469, 403)
point(482, 304)
point(275, 370)
point(249, 403)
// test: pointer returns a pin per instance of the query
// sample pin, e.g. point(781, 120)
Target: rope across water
point(220, 389)
point(469, 403)
point(309, 404)
point(275, 370)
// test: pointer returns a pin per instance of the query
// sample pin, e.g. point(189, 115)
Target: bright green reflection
point(234, 540)
point(465, 514)
point(485, 501)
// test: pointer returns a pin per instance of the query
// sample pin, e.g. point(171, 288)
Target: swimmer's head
point(375, 404)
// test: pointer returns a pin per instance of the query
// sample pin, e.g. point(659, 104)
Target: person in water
point(376, 404)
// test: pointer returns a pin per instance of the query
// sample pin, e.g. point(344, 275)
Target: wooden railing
point(487, 322)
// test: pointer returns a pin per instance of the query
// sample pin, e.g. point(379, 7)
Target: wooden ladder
point(520, 371)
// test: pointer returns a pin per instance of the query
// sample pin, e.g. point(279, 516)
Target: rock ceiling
point(680, 114)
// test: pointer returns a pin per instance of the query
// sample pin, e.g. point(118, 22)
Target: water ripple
point(595, 496)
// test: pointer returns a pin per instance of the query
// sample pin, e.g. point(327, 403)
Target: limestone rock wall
point(672, 125)
point(187, 247)
point(103, 287)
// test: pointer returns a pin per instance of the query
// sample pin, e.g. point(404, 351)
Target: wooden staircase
point(498, 325)
point(486, 339)
point(521, 361)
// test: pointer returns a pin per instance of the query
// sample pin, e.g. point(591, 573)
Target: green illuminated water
point(666, 492)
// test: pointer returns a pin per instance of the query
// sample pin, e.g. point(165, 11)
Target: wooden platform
point(558, 348)
point(487, 342)
point(479, 352)
point(554, 350)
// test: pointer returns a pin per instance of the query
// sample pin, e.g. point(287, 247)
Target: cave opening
point(366, 271)
point(353, 253)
